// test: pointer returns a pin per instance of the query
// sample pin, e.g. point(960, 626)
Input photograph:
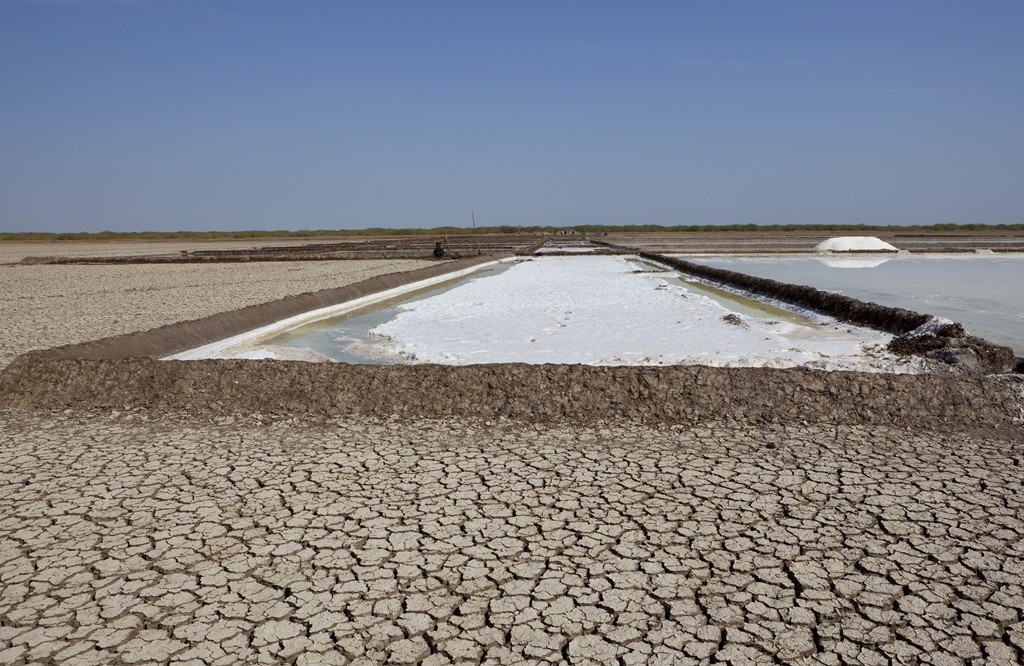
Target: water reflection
point(984, 293)
point(852, 262)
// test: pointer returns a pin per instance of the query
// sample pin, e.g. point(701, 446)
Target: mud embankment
point(175, 338)
point(891, 320)
point(688, 395)
point(950, 345)
point(417, 247)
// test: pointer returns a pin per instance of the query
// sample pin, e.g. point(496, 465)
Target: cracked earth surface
point(129, 538)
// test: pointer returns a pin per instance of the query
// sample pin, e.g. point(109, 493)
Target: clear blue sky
point(171, 114)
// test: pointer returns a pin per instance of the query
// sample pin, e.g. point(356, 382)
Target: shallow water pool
point(985, 293)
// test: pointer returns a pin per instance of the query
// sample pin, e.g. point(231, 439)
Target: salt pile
point(854, 244)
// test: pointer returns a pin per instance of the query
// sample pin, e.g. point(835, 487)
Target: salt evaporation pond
point(600, 310)
point(985, 293)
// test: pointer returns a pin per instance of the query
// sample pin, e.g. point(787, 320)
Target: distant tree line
point(505, 229)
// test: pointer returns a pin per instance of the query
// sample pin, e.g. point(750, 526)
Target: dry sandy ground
point(131, 538)
point(12, 252)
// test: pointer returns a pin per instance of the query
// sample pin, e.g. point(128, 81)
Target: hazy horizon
point(164, 115)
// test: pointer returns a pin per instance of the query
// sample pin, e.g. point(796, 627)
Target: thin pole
point(476, 242)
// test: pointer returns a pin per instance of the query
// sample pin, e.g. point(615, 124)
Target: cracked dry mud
point(135, 539)
point(46, 306)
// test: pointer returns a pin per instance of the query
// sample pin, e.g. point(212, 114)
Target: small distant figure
point(439, 250)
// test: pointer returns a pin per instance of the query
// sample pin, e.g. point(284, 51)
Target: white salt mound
point(854, 244)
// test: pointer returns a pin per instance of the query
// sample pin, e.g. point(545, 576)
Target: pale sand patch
point(13, 252)
point(47, 306)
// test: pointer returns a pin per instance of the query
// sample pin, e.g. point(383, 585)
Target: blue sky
point(166, 115)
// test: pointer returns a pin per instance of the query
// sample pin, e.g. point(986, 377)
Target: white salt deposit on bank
point(854, 244)
point(602, 311)
point(248, 345)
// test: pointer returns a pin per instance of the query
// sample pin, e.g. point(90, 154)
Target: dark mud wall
point(414, 247)
point(891, 320)
point(175, 338)
point(534, 393)
point(952, 345)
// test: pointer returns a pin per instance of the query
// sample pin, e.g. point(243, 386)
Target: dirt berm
point(680, 394)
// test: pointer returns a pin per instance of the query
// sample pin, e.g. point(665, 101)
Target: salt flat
point(606, 311)
point(136, 538)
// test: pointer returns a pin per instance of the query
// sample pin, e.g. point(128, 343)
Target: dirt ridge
point(844, 308)
point(676, 394)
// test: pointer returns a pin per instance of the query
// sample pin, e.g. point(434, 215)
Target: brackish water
point(985, 293)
